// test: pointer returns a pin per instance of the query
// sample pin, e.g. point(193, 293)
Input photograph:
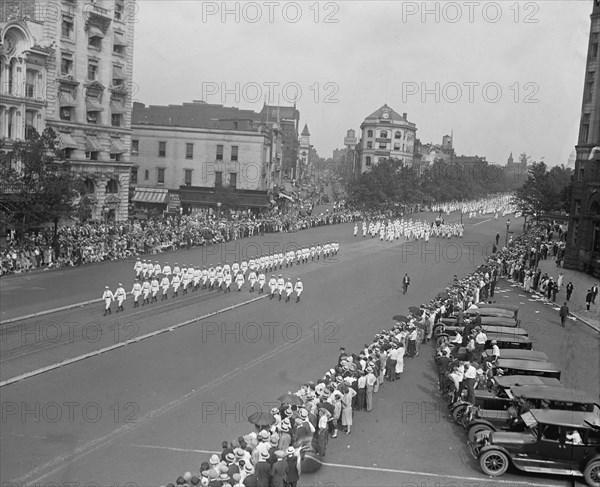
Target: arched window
point(595, 209)
point(383, 134)
point(90, 187)
point(112, 187)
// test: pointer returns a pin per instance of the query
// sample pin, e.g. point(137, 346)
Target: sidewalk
point(581, 282)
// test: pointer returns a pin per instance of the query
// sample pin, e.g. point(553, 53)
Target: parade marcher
point(298, 288)
point(146, 291)
point(261, 282)
point(175, 283)
point(280, 286)
point(164, 284)
point(252, 279)
point(239, 280)
point(212, 277)
point(272, 286)
point(289, 289)
point(154, 287)
point(227, 280)
point(120, 296)
point(138, 268)
point(108, 297)
point(136, 292)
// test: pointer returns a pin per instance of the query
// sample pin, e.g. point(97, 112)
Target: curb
point(587, 322)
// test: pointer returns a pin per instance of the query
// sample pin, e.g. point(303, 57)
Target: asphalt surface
point(145, 412)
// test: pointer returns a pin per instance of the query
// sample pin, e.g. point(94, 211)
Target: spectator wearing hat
point(279, 470)
point(294, 466)
point(399, 369)
point(323, 431)
point(370, 380)
point(285, 439)
point(263, 470)
point(347, 396)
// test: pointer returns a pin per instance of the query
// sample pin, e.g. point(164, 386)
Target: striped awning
point(117, 106)
point(66, 141)
point(150, 195)
point(95, 32)
point(93, 104)
point(116, 147)
point(66, 99)
point(92, 144)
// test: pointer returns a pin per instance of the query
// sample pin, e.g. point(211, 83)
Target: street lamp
point(507, 227)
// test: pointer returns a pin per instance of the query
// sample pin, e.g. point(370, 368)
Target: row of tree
point(390, 183)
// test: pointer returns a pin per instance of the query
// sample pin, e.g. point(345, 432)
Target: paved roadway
point(148, 411)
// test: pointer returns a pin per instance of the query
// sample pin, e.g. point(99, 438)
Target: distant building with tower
point(303, 164)
point(583, 237)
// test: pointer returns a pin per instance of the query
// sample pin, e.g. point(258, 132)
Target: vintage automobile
point(441, 329)
point(518, 354)
point(486, 415)
point(495, 401)
point(553, 441)
point(505, 366)
point(504, 342)
point(509, 307)
point(485, 320)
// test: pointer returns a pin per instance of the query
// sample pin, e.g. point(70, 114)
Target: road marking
point(184, 450)
point(479, 223)
point(79, 358)
point(425, 474)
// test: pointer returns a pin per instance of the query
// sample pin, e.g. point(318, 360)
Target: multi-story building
point(583, 236)
point(188, 152)
point(288, 121)
point(386, 134)
point(68, 65)
point(303, 165)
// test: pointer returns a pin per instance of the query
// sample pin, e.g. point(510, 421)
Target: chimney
point(404, 116)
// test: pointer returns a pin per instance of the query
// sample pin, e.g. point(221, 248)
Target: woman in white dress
point(400, 360)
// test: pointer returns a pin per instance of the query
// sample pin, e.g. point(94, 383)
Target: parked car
point(554, 442)
point(526, 367)
point(509, 307)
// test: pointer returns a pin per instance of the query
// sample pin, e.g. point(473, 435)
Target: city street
point(143, 412)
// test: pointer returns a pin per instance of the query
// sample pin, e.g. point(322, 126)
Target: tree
point(39, 188)
point(228, 197)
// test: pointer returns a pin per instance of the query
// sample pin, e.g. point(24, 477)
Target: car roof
point(503, 337)
point(554, 394)
point(520, 354)
point(575, 419)
point(513, 380)
point(498, 320)
point(509, 307)
point(504, 330)
point(505, 363)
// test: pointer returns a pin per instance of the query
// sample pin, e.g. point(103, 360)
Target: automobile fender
point(460, 402)
point(495, 447)
point(482, 422)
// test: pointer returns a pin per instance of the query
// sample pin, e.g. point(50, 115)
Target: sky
point(502, 76)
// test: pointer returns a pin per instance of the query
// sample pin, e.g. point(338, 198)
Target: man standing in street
point(594, 293)
point(405, 283)
point(564, 312)
point(109, 297)
point(569, 290)
point(589, 297)
point(497, 238)
point(559, 281)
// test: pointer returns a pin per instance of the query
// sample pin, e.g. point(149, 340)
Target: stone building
point(68, 65)
point(583, 237)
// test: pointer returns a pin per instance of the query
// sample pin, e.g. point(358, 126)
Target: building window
point(369, 133)
point(92, 117)
point(218, 179)
point(234, 153)
point(66, 65)
point(219, 152)
point(187, 177)
point(115, 119)
point(65, 113)
point(577, 207)
point(398, 134)
point(581, 173)
point(92, 155)
point(118, 77)
point(146, 174)
point(115, 157)
point(119, 9)
point(67, 28)
point(382, 145)
point(30, 82)
point(134, 175)
point(162, 149)
point(383, 134)
point(585, 128)
point(594, 46)
point(396, 146)
point(161, 176)
point(596, 242)
point(369, 144)
point(67, 153)
point(368, 161)
point(95, 42)
point(575, 232)
point(135, 147)
point(589, 86)
point(92, 71)
point(189, 151)
point(233, 180)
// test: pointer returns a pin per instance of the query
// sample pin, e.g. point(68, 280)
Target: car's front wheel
point(476, 430)
point(592, 473)
point(459, 412)
point(493, 463)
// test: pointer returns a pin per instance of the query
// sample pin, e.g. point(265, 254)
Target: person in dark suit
point(280, 470)
point(569, 290)
point(589, 298)
point(405, 283)
point(564, 312)
point(293, 461)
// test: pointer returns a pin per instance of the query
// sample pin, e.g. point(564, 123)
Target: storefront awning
point(93, 104)
point(66, 141)
point(116, 147)
point(150, 195)
point(120, 39)
point(66, 99)
point(92, 144)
